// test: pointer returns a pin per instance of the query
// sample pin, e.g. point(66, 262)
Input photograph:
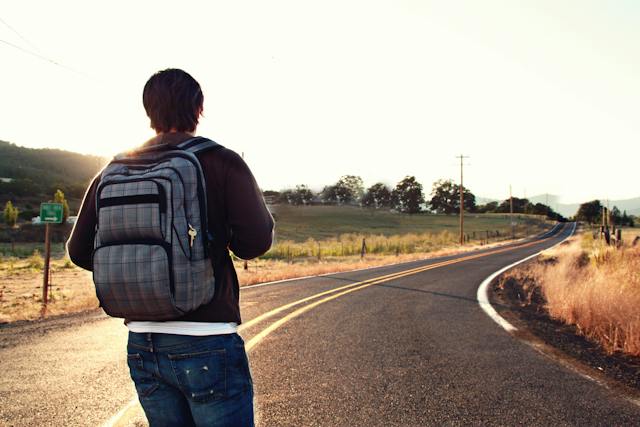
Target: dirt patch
point(518, 298)
point(71, 290)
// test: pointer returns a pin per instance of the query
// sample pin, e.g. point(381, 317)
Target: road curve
point(398, 345)
point(418, 350)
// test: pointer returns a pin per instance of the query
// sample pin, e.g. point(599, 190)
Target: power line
point(35, 54)
point(24, 39)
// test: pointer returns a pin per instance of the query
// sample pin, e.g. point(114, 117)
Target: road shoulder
point(561, 342)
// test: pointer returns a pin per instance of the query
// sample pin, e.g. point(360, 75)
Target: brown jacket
point(237, 214)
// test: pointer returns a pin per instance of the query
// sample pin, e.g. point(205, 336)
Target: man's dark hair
point(173, 100)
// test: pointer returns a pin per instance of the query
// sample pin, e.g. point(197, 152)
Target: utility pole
point(513, 232)
point(462, 157)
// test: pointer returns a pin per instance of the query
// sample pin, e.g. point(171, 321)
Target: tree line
point(407, 196)
point(591, 212)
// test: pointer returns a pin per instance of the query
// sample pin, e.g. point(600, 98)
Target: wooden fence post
point(45, 279)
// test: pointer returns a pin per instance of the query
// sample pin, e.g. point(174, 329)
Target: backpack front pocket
point(135, 281)
point(131, 211)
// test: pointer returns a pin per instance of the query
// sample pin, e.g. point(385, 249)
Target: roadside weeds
point(582, 302)
point(72, 288)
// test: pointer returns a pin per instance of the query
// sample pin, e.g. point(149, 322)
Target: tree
point(590, 212)
point(445, 198)
point(616, 216)
point(329, 194)
point(377, 196)
point(541, 209)
point(487, 208)
point(58, 197)
point(301, 195)
point(407, 195)
point(519, 206)
point(349, 188)
point(469, 200)
point(10, 214)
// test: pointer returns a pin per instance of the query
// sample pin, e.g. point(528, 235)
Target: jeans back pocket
point(201, 376)
point(144, 381)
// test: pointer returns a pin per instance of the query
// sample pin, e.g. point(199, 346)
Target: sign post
point(50, 213)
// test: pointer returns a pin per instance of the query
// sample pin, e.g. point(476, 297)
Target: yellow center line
point(275, 311)
point(127, 412)
point(352, 288)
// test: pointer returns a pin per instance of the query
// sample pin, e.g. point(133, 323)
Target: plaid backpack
point(151, 251)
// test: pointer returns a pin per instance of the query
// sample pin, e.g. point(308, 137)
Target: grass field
point(309, 240)
point(299, 223)
point(330, 231)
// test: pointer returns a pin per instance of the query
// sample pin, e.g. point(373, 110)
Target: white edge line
point(116, 418)
point(113, 420)
point(275, 282)
point(483, 289)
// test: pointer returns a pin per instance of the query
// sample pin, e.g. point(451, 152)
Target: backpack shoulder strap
point(198, 145)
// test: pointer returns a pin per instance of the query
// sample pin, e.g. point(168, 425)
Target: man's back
point(193, 370)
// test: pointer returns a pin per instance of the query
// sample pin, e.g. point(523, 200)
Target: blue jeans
point(185, 380)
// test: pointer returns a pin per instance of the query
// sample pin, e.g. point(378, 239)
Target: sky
point(541, 95)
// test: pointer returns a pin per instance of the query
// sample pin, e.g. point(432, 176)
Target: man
point(193, 370)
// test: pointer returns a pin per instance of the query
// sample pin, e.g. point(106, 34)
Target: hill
point(632, 206)
point(29, 176)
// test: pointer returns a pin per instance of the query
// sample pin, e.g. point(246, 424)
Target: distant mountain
point(553, 201)
point(29, 175)
point(632, 206)
point(485, 200)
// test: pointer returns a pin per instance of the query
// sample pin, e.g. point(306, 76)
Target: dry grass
point(596, 288)
point(72, 288)
point(267, 270)
point(21, 288)
point(350, 244)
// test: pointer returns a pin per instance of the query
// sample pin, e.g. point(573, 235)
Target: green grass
point(331, 231)
point(299, 223)
point(324, 231)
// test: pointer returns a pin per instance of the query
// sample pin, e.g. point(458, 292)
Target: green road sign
point(51, 212)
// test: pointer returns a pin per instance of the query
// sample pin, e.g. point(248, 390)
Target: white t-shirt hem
point(183, 328)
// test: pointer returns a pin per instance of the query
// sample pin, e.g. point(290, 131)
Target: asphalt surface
point(414, 350)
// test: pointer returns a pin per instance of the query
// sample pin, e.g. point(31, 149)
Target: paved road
point(409, 349)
